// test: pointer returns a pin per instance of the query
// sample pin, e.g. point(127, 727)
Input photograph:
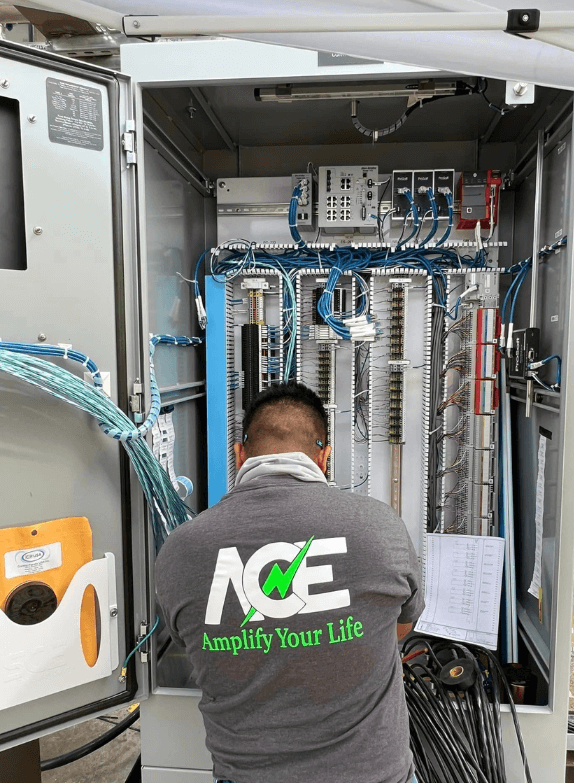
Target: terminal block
point(397, 362)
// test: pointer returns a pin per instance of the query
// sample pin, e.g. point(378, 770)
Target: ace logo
point(290, 573)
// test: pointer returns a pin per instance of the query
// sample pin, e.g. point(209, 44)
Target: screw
point(222, 185)
point(42, 338)
point(5, 83)
point(525, 18)
point(520, 88)
point(32, 118)
point(113, 612)
point(136, 24)
point(37, 230)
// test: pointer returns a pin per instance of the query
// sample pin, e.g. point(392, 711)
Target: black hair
point(291, 393)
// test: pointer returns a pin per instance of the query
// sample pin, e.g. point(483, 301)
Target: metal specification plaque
point(75, 114)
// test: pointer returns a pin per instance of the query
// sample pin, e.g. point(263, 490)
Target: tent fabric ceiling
point(493, 54)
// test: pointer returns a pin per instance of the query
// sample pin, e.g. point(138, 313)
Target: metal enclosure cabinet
point(226, 62)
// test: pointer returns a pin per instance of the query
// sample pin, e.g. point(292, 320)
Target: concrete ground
point(110, 764)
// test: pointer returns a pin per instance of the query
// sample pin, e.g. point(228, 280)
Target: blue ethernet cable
point(434, 211)
point(415, 213)
point(450, 207)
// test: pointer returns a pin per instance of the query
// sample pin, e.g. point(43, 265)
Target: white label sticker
point(561, 148)
point(554, 319)
point(558, 233)
point(536, 583)
point(22, 562)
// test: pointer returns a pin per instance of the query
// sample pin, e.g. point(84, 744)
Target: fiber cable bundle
point(453, 695)
point(167, 510)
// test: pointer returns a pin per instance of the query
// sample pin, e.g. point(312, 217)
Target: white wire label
point(536, 582)
point(23, 562)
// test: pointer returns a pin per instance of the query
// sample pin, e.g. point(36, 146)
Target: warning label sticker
point(75, 114)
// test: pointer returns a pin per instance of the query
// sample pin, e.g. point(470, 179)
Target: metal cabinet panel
point(172, 730)
point(175, 238)
point(54, 461)
point(159, 775)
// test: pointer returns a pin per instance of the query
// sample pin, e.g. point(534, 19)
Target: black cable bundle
point(454, 712)
point(435, 418)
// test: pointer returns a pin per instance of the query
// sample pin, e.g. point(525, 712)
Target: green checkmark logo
point(279, 579)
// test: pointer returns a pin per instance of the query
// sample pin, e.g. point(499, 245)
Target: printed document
point(463, 579)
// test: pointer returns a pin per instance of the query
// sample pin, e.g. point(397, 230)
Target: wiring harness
point(235, 257)
point(453, 695)
point(519, 272)
point(24, 361)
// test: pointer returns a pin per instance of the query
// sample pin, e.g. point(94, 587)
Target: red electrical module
point(478, 193)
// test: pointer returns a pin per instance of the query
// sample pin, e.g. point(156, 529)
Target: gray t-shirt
point(286, 595)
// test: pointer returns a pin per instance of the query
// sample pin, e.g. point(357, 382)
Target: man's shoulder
point(188, 534)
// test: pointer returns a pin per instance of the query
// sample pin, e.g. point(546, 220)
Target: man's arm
point(413, 607)
point(403, 629)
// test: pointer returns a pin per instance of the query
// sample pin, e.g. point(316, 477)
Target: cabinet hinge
point(129, 142)
point(144, 649)
point(136, 400)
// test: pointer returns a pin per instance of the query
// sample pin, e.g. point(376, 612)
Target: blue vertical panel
point(216, 360)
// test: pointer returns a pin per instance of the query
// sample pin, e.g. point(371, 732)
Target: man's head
point(285, 417)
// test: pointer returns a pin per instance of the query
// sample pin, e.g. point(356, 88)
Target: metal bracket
point(522, 20)
point(129, 142)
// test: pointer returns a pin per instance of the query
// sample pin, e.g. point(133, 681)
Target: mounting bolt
point(114, 611)
point(42, 338)
point(520, 88)
point(136, 24)
point(222, 185)
point(37, 230)
point(32, 118)
point(5, 83)
point(525, 18)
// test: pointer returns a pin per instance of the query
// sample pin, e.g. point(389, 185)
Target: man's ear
point(240, 455)
point(322, 458)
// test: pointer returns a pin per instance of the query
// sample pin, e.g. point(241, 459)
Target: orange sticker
point(68, 543)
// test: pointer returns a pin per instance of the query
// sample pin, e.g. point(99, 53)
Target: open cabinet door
point(73, 598)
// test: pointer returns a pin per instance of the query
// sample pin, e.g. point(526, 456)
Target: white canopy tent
point(463, 36)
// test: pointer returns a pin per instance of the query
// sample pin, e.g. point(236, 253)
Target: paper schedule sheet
point(462, 588)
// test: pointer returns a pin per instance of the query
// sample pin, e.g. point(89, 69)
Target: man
point(288, 595)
